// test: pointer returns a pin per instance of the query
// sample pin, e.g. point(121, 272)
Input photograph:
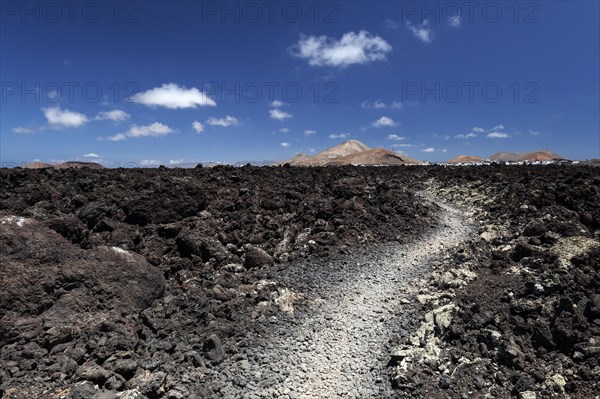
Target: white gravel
point(341, 347)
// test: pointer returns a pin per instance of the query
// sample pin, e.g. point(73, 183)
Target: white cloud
point(378, 104)
point(384, 121)
point(455, 21)
point(58, 117)
point(395, 137)
point(534, 132)
point(224, 122)
point(497, 135)
point(465, 136)
point(422, 31)
point(155, 129)
point(176, 161)
point(498, 127)
point(91, 155)
point(352, 48)
point(22, 130)
point(279, 115)
point(115, 115)
point(310, 132)
point(116, 137)
point(391, 24)
point(428, 149)
point(444, 150)
point(277, 104)
point(477, 130)
point(339, 136)
point(402, 145)
point(173, 96)
point(198, 127)
point(150, 162)
point(285, 145)
point(284, 130)
point(312, 150)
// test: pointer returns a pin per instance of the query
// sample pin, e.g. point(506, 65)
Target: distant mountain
point(465, 159)
point(539, 155)
point(37, 165)
point(352, 152)
point(64, 165)
point(377, 156)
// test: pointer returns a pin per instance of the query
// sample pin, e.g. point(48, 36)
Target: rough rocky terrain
point(74, 243)
point(305, 282)
point(526, 324)
point(338, 321)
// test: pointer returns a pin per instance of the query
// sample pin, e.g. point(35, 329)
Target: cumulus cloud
point(155, 129)
point(284, 130)
point(91, 155)
point(339, 136)
point(395, 137)
point(498, 127)
point(22, 130)
point(285, 145)
point(312, 150)
point(115, 115)
point(279, 115)
point(224, 122)
point(469, 135)
point(534, 132)
point(497, 135)
point(173, 96)
point(378, 104)
point(198, 127)
point(277, 104)
point(455, 21)
point(150, 162)
point(391, 24)
point(176, 161)
point(422, 31)
point(116, 137)
point(402, 145)
point(310, 132)
point(58, 117)
point(384, 121)
point(352, 48)
point(477, 130)
point(428, 149)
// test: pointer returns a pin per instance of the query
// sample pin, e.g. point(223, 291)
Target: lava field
point(160, 283)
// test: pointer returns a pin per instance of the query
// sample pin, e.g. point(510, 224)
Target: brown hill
point(352, 152)
point(37, 165)
point(377, 156)
point(465, 159)
point(539, 155)
point(76, 164)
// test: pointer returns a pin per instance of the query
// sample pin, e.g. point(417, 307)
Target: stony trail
point(340, 346)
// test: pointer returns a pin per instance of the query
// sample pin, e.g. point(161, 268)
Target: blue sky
point(181, 81)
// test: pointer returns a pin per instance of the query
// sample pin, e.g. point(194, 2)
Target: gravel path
point(340, 346)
